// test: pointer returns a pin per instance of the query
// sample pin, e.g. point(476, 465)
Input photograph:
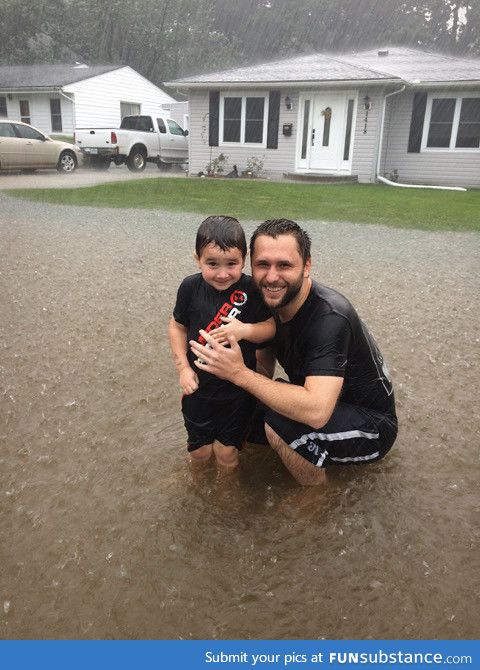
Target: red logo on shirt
point(237, 299)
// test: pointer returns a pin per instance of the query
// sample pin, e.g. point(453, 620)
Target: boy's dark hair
point(276, 227)
point(224, 231)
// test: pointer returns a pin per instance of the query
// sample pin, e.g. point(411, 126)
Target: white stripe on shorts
point(333, 437)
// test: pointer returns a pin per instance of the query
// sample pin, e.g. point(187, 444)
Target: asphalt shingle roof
point(16, 77)
point(397, 63)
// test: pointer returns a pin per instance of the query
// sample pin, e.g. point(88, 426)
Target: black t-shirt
point(199, 305)
point(327, 337)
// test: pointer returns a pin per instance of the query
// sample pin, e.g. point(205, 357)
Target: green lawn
point(258, 200)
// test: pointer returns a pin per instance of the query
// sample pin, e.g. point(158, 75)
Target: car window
point(142, 123)
point(28, 133)
point(174, 128)
point(161, 126)
point(145, 124)
point(6, 130)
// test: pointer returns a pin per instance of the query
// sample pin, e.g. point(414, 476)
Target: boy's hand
point(232, 326)
point(188, 380)
point(223, 362)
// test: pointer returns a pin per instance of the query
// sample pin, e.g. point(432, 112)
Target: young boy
point(216, 412)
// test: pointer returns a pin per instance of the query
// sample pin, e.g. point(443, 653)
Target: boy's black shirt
point(199, 305)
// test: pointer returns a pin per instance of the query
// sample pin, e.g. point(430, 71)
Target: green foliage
point(166, 39)
point(259, 200)
point(216, 165)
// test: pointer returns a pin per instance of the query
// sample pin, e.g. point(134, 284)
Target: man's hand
point(232, 326)
point(225, 362)
point(188, 380)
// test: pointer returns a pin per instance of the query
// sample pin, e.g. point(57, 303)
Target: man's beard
point(291, 293)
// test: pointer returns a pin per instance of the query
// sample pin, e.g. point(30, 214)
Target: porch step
point(322, 178)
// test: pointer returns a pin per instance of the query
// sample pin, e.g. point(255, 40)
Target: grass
point(258, 200)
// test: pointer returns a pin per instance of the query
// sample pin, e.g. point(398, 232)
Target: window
point(161, 126)
point(28, 133)
point(25, 111)
point(306, 118)
point(468, 135)
point(452, 123)
point(441, 121)
point(142, 123)
point(129, 109)
point(3, 106)
point(243, 119)
point(56, 114)
point(348, 130)
point(6, 130)
point(174, 128)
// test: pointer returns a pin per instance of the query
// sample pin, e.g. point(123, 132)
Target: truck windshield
point(142, 123)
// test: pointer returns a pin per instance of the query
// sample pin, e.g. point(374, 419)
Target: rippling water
point(107, 532)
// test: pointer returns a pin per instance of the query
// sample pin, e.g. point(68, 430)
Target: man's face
point(278, 269)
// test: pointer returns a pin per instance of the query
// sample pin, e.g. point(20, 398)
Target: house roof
point(25, 77)
point(390, 65)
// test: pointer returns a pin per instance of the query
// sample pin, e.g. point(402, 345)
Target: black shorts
point(352, 435)
point(226, 421)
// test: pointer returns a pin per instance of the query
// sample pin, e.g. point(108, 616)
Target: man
point(339, 405)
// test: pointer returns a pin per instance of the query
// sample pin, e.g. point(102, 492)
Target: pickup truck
point(140, 139)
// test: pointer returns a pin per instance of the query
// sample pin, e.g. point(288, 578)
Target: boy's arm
point(253, 332)
point(188, 378)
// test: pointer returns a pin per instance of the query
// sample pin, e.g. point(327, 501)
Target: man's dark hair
point(224, 231)
point(276, 227)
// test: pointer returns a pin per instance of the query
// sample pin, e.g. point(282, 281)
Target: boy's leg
point(201, 454)
point(226, 456)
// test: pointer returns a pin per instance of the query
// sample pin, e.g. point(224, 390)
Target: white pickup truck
point(140, 139)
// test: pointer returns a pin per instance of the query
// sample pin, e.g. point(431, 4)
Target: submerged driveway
point(81, 177)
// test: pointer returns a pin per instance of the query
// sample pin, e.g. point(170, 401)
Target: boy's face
point(221, 269)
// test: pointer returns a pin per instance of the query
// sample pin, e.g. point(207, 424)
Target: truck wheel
point(137, 160)
point(98, 163)
point(164, 166)
point(67, 162)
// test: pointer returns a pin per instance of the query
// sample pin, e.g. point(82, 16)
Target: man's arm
point(312, 404)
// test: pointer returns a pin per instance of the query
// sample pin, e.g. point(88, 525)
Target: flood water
point(106, 531)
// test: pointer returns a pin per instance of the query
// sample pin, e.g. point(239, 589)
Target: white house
point(59, 98)
point(402, 113)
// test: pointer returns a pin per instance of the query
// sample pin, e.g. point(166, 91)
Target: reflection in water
point(107, 532)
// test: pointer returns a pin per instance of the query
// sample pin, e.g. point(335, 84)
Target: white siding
point(444, 168)
point(276, 161)
point(97, 100)
point(282, 160)
point(40, 116)
point(366, 144)
point(178, 111)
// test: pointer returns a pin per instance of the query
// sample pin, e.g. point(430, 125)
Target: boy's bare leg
point(227, 457)
point(202, 454)
point(304, 472)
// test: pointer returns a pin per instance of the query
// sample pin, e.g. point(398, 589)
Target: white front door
point(326, 125)
point(327, 137)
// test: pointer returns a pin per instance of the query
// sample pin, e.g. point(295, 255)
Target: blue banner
point(263, 655)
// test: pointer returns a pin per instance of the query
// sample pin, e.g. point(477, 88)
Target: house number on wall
point(365, 123)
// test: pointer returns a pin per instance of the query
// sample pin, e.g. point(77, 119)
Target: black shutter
point(213, 117)
point(416, 123)
point(273, 119)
